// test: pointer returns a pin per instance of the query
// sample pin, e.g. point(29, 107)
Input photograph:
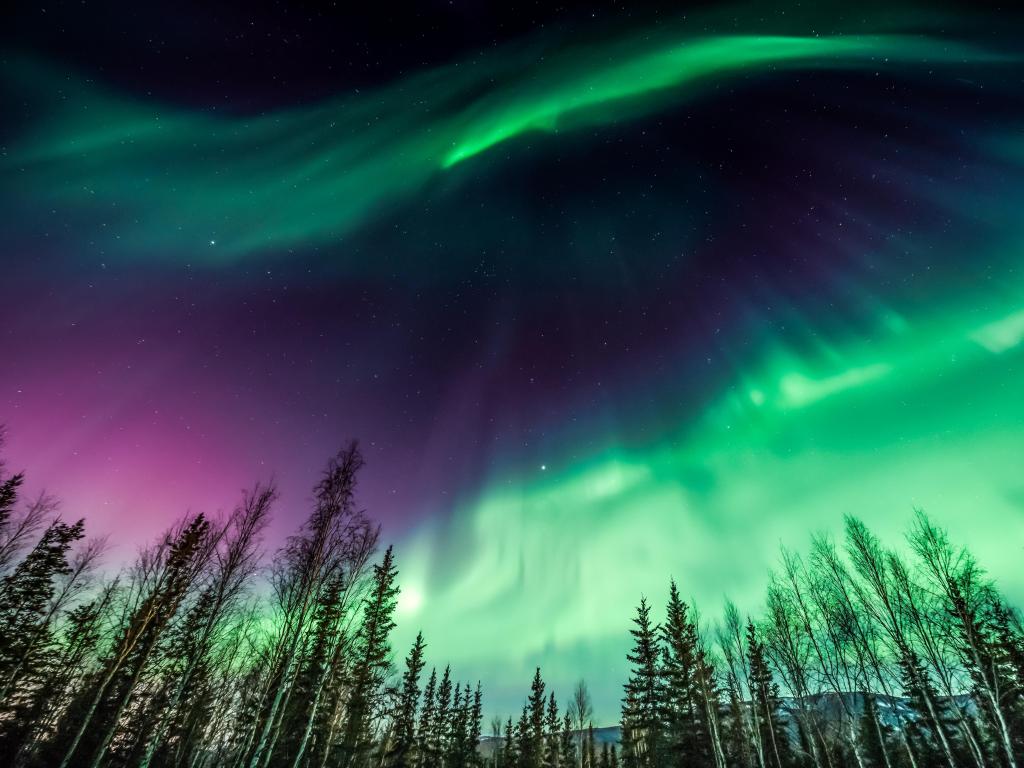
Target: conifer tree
point(525, 753)
point(403, 755)
point(735, 737)
point(476, 716)
point(552, 734)
point(455, 752)
point(372, 660)
point(64, 676)
point(567, 745)
point(442, 718)
point(9, 488)
point(26, 595)
point(1007, 642)
point(167, 572)
point(764, 694)
point(425, 739)
point(991, 675)
point(641, 714)
point(923, 699)
point(17, 531)
point(533, 755)
point(509, 750)
point(50, 649)
point(683, 712)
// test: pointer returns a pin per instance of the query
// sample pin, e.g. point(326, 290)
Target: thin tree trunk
point(256, 760)
point(771, 733)
point(328, 668)
point(119, 710)
point(90, 712)
point(275, 733)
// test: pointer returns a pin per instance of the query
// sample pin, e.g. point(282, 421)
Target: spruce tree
point(1008, 643)
point(510, 749)
point(928, 708)
point(455, 754)
point(533, 753)
point(476, 718)
point(764, 694)
point(525, 752)
point(737, 744)
point(70, 666)
point(25, 631)
point(641, 714)
point(442, 719)
point(403, 753)
point(372, 660)
point(426, 751)
point(13, 532)
point(37, 659)
point(567, 744)
point(993, 678)
point(552, 734)
point(683, 714)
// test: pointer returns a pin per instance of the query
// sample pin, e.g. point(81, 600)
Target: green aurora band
point(166, 180)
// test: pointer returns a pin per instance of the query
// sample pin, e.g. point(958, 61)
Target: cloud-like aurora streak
point(166, 179)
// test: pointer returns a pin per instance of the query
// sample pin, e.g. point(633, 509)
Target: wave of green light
point(200, 186)
point(541, 567)
point(556, 96)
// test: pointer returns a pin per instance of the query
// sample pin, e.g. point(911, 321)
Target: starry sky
point(609, 294)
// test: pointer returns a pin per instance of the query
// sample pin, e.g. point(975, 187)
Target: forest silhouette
point(210, 650)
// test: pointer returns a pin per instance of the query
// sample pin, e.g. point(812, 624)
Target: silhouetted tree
point(581, 711)
point(164, 575)
point(641, 711)
point(403, 754)
point(567, 745)
point(372, 661)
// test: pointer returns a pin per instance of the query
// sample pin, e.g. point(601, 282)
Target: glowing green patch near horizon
point(169, 181)
point(923, 411)
point(929, 417)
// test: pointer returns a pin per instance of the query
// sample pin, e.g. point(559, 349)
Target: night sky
point(608, 294)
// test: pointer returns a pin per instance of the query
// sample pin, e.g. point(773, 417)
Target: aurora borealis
point(607, 296)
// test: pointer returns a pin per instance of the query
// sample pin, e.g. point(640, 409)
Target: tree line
point(866, 657)
point(201, 654)
point(205, 651)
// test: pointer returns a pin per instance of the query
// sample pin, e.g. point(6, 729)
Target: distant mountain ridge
point(893, 711)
